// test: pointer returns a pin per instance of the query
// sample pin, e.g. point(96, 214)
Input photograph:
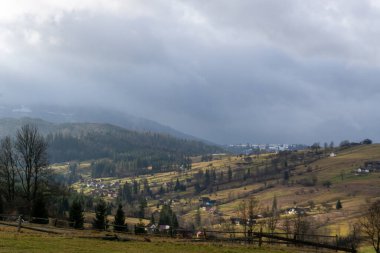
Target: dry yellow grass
point(354, 191)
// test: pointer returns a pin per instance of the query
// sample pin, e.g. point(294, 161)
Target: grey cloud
point(230, 71)
point(22, 109)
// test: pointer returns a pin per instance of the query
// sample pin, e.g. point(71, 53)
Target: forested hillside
point(124, 151)
point(127, 149)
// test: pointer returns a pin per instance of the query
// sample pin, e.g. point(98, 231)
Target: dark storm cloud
point(228, 71)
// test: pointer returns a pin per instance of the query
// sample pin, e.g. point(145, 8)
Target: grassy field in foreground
point(12, 243)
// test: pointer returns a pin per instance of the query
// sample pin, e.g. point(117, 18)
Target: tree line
point(138, 149)
point(100, 222)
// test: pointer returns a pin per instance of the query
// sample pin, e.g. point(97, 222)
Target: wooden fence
point(57, 226)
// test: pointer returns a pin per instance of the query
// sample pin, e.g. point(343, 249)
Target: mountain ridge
point(93, 141)
point(60, 114)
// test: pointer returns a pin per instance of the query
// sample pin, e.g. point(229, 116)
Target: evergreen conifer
point(120, 220)
point(76, 214)
point(39, 211)
point(100, 220)
point(338, 205)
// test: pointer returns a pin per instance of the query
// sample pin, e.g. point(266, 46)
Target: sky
point(258, 71)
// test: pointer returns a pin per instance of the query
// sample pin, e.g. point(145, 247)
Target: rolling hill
point(71, 114)
point(91, 141)
point(262, 177)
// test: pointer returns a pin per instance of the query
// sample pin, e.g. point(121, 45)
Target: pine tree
point(168, 217)
point(213, 175)
point(161, 190)
point(177, 186)
point(136, 187)
point(100, 220)
point(152, 220)
point(198, 218)
point(143, 205)
point(147, 190)
point(229, 174)
point(248, 174)
point(127, 192)
point(76, 214)
point(39, 211)
point(207, 178)
point(338, 205)
point(120, 220)
point(286, 175)
point(109, 208)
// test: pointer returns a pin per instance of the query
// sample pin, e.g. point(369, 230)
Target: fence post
point(250, 236)
point(19, 223)
point(260, 237)
point(204, 234)
point(336, 241)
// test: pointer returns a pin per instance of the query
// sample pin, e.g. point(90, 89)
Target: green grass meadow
point(35, 243)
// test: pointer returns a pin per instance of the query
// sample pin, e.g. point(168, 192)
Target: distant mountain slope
point(58, 114)
point(9, 126)
point(86, 141)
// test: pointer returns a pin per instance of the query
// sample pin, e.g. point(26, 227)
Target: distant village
point(100, 188)
point(248, 148)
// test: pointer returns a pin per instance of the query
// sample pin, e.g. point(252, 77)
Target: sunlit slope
point(352, 189)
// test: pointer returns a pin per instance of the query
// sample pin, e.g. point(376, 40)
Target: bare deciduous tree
point(248, 215)
point(371, 225)
point(8, 168)
point(32, 164)
point(253, 210)
point(242, 209)
point(272, 220)
point(287, 225)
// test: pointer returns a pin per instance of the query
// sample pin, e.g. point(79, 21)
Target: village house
point(240, 221)
point(163, 228)
point(372, 166)
point(207, 202)
point(297, 211)
point(151, 228)
point(361, 171)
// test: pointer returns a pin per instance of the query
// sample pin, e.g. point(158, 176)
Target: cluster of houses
point(207, 204)
point(153, 228)
point(100, 188)
point(370, 166)
point(237, 221)
point(297, 211)
point(264, 148)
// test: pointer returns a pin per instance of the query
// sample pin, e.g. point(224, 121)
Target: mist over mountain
point(57, 114)
point(93, 141)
